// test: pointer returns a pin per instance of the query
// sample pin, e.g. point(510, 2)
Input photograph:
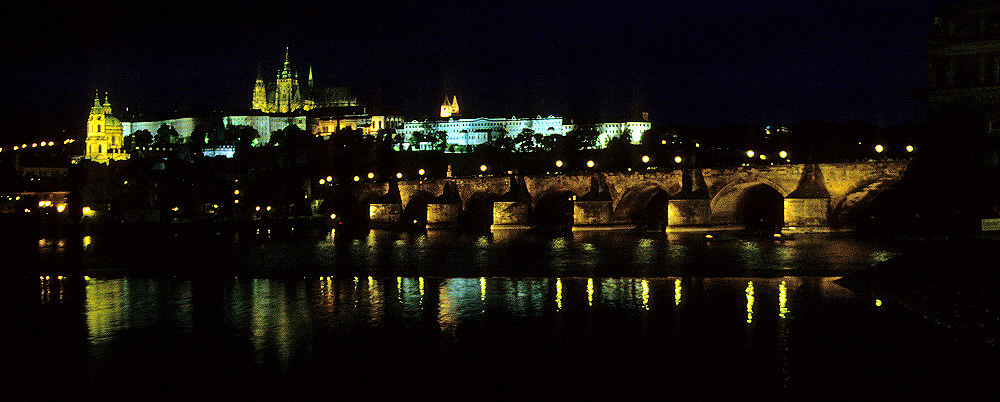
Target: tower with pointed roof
point(285, 95)
point(449, 109)
point(104, 134)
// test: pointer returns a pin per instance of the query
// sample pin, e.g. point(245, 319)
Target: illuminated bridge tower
point(104, 134)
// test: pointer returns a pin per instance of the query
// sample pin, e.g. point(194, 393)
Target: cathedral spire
point(310, 82)
point(97, 98)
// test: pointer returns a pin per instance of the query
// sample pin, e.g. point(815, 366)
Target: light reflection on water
point(278, 318)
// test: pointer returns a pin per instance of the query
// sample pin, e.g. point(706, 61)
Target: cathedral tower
point(259, 93)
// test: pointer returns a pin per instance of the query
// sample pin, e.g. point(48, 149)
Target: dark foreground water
point(448, 316)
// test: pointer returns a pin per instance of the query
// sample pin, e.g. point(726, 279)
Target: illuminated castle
point(450, 109)
point(104, 134)
point(287, 96)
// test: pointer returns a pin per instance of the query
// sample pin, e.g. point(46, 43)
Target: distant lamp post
point(482, 168)
point(357, 178)
point(750, 153)
point(909, 148)
point(678, 159)
point(559, 163)
point(664, 142)
point(322, 181)
point(399, 175)
point(333, 216)
point(371, 175)
point(782, 154)
point(879, 148)
point(329, 179)
point(421, 172)
point(236, 192)
point(763, 157)
point(590, 163)
point(645, 159)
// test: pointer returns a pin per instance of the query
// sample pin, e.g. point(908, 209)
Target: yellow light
point(87, 211)
point(356, 178)
point(763, 157)
point(61, 207)
point(678, 291)
point(909, 148)
point(329, 179)
point(175, 209)
point(333, 216)
point(645, 159)
point(708, 236)
point(590, 291)
point(16, 147)
point(399, 175)
point(878, 302)
point(664, 142)
point(257, 208)
point(697, 145)
point(51, 143)
point(421, 172)
point(559, 163)
point(590, 163)
point(678, 159)
point(777, 235)
point(371, 175)
point(782, 299)
point(236, 201)
point(879, 148)
point(783, 154)
point(645, 294)
point(27, 211)
point(750, 153)
point(558, 294)
point(482, 168)
point(34, 144)
point(268, 207)
point(322, 181)
point(750, 300)
point(236, 192)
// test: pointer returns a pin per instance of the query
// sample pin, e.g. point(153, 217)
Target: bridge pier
point(692, 205)
point(594, 208)
point(384, 215)
point(387, 209)
point(511, 211)
point(809, 205)
point(445, 210)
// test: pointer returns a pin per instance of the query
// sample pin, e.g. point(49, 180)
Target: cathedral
point(285, 95)
point(104, 134)
point(450, 109)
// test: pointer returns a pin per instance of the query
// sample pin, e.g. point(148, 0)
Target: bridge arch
point(856, 203)
point(554, 208)
point(756, 204)
point(478, 213)
point(415, 210)
point(644, 205)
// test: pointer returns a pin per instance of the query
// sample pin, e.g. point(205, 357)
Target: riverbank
point(949, 283)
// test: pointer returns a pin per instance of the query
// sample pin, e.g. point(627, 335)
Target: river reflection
point(587, 315)
point(280, 319)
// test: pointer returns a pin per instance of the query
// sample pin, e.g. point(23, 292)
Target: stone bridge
point(791, 195)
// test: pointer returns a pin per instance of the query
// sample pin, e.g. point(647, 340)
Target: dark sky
point(704, 62)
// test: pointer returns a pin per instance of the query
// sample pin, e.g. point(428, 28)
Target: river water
point(448, 315)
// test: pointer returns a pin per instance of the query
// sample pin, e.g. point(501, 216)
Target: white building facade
point(475, 131)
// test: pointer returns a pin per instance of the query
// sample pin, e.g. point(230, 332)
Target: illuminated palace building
point(323, 112)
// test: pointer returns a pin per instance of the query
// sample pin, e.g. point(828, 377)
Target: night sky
point(701, 62)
